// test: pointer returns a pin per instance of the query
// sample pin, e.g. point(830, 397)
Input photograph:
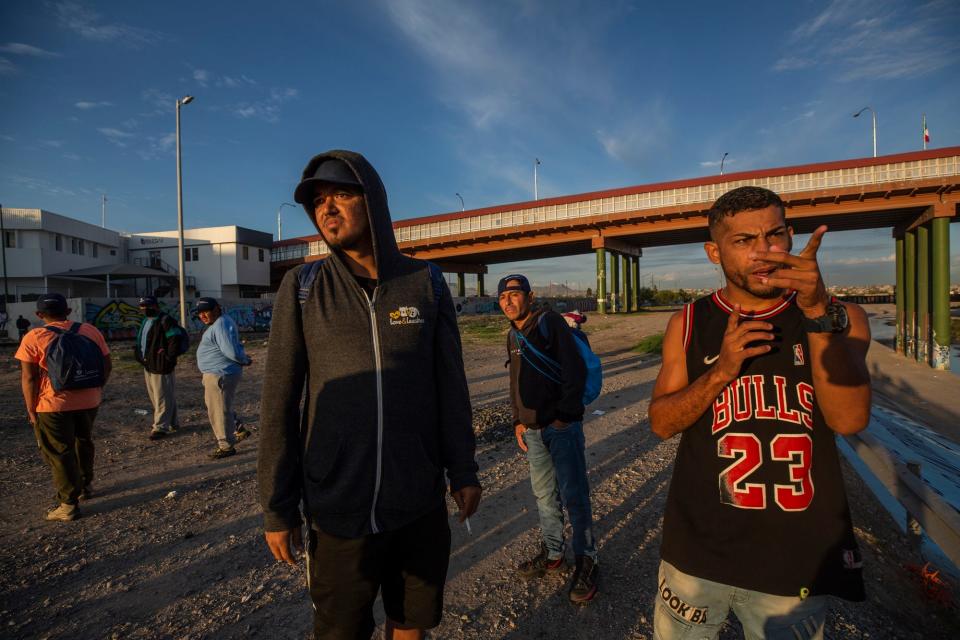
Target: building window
point(73, 246)
point(96, 251)
point(246, 252)
point(191, 254)
point(81, 243)
point(113, 252)
point(58, 242)
point(10, 239)
point(260, 254)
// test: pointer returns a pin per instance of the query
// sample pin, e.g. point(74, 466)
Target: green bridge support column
point(636, 283)
point(461, 285)
point(615, 283)
point(627, 287)
point(601, 280)
point(480, 284)
point(899, 295)
point(923, 294)
point(940, 245)
point(910, 294)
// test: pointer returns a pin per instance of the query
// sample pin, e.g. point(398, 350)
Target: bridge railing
point(647, 200)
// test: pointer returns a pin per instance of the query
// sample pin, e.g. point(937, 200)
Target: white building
point(39, 244)
point(223, 262)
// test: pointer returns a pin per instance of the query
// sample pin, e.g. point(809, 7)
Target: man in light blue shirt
point(220, 358)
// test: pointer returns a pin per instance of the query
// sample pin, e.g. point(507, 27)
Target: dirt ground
point(145, 562)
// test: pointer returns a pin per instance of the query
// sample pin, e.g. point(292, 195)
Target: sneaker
point(157, 434)
point(64, 513)
point(583, 587)
point(222, 453)
point(241, 433)
point(539, 565)
point(87, 492)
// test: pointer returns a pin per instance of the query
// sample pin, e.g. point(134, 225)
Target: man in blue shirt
point(220, 358)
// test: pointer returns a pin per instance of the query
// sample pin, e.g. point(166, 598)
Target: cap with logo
point(329, 170)
point(52, 303)
point(522, 284)
point(148, 301)
point(207, 304)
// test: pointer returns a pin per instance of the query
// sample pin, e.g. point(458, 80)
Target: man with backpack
point(64, 366)
point(160, 341)
point(367, 339)
point(221, 358)
point(548, 376)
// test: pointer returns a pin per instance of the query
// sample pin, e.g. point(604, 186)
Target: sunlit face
point(341, 215)
point(210, 316)
point(515, 304)
point(737, 236)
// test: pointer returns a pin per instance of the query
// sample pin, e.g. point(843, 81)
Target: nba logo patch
point(798, 360)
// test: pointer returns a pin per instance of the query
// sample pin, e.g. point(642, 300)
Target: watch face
point(838, 316)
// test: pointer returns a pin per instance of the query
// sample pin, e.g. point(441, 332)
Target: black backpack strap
point(74, 328)
point(305, 278)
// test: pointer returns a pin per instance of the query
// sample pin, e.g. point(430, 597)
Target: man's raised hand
point(801, 273)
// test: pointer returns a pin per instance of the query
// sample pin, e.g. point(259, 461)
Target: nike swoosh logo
point(711, 359)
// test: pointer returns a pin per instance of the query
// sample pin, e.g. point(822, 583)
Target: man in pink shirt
point(64, 365)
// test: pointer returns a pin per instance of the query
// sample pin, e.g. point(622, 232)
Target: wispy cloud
point(157, 146)
point(267, 109)
point(716, 163)
point(89, 25)
point(117, 137)
point(41, 185)
point(52, 144)
point(862, 260)
point(202, 76)
point(875, 39)
point(20, 49)
point(83, 104)
point(638, 138)
point(7, 68)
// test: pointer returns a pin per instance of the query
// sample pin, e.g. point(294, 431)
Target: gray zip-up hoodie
point(385, 407)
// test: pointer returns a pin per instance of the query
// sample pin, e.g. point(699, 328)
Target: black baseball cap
point(148, 301)
point(524, 284)
point(52, 303)
point(207, 304)
point(328, 170)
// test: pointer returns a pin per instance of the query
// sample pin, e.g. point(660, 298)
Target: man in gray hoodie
point(368, 339)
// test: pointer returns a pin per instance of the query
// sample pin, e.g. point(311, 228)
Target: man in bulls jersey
point(758, 378)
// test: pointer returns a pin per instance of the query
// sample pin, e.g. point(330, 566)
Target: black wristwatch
point(835, 320)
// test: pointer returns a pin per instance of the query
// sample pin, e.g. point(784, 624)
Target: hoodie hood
point(378, 213)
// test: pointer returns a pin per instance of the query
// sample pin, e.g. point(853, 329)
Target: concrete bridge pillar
point(899, 294)
point(461, 285)
point(635, 293)
point(923, 294)
point(480, 284)
point(601, 280)
point(940, 345)
point(625, 267)
point(615, 306)
point(910, 294)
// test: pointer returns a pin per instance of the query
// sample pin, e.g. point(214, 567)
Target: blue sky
point(446, 97)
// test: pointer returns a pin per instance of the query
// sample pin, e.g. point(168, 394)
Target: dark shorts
point(408, 566)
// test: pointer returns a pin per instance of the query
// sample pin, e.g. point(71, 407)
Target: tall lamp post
point(874, 114)
point(725, 154)
point(183, 288)
point(279, 222)
point(462, 208)
point(3, 248)
point(536, 163)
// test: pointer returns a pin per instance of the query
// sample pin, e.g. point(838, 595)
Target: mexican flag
point(926, 132)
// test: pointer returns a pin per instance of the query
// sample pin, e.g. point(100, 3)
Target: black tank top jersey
point(757, 498)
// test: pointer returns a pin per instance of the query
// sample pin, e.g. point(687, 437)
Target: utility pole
point(536, 163)
point(103, 211)
point(3, 248)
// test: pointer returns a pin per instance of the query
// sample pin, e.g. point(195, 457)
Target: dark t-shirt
point(367, 284)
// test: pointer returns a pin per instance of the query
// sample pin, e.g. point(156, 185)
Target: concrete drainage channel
point(915, 474)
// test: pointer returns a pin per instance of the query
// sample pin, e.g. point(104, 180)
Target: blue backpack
point(74, 361)
point(550, 368)
point(309, 273)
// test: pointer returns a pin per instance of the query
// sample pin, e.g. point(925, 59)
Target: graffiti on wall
point(119, 318)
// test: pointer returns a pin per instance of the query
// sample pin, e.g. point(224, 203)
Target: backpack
point(550, 368)
point(183, 339)
point(309, 273)
point(74, 361)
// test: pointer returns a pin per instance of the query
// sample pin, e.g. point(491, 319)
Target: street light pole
point(461, 201)
point(874, 115)
point(279, 223)
point(180, 265)
point(725, 154)
point(3, 248)
point(536, 163)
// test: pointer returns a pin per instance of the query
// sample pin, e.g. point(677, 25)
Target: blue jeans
point(689, 608)
point(558, 475)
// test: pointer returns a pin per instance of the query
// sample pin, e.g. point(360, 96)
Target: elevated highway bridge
point(916, 195)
